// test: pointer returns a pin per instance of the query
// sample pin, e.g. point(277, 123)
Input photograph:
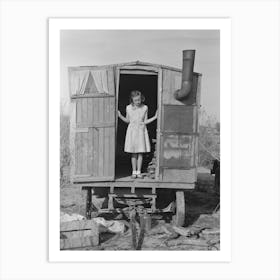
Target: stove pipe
point(187, 75)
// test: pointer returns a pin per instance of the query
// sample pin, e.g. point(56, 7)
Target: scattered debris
point(64, 217)
point(164, 236)
point(208, 221)
point(202, 232)
point(187, 241)
point(151, 169)
point(111, 226)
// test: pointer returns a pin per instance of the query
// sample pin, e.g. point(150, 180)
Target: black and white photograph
point(140, 140)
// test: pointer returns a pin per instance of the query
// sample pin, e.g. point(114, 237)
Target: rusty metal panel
point(179, 131)
point(179, 175)
point(177, 151)
point(179, 119)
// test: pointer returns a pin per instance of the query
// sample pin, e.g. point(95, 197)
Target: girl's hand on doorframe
point(156, 114)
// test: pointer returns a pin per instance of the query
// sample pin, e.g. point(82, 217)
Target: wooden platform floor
point(129, 179)
point(125, 180)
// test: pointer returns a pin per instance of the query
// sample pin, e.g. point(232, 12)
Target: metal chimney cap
point(189, 54)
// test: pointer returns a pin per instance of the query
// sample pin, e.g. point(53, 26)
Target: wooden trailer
point(98, 161)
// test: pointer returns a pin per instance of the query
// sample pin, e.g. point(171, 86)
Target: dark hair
point(135, 93)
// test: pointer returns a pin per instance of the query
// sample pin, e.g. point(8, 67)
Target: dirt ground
point(200, 232)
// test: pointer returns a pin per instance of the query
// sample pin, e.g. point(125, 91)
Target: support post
point(89, 203)
point(142, 232)
point(133, 228)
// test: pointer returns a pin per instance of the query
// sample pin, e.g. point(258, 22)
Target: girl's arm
point(147, 121)
point(125, 119)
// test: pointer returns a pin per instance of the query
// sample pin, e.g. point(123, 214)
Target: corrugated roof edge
point(137, 62)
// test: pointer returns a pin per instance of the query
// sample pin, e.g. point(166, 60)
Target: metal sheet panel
point(179, 119)
point(177, 151)
point(178, 130)
point(179, 175)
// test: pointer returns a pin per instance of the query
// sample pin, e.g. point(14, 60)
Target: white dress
point(137, 138)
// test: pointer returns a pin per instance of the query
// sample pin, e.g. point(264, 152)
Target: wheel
point(179, 217)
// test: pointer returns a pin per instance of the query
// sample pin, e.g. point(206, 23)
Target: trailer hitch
point(134, 212)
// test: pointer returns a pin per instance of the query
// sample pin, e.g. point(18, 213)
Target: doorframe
point(159, 87)
point(142, 70)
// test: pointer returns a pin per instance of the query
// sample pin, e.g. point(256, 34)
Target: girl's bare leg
point(139, 162)
point(134, 161)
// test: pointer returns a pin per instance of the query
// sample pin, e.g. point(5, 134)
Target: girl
point(137, 139)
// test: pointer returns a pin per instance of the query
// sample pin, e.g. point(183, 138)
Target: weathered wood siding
point(78, 234)
point(94, 133)
point(95, 145)
point(179, 130)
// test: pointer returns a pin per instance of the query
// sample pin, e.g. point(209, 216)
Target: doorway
point(148, 85)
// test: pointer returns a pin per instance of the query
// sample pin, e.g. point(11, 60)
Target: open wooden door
point(92, 132)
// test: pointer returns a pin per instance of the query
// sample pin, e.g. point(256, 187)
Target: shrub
point(209, 140)
point(64, 149)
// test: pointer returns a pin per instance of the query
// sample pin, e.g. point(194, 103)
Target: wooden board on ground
point(78, 234)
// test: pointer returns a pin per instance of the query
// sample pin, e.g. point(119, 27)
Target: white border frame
point(55, 25)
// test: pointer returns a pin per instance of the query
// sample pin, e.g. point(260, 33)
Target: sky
point(100, 47)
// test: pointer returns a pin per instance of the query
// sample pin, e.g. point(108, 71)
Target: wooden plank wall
point(72, 137)
point(95, 136)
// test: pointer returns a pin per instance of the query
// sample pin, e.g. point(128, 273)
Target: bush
point(209, 140)
point(64, 148)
